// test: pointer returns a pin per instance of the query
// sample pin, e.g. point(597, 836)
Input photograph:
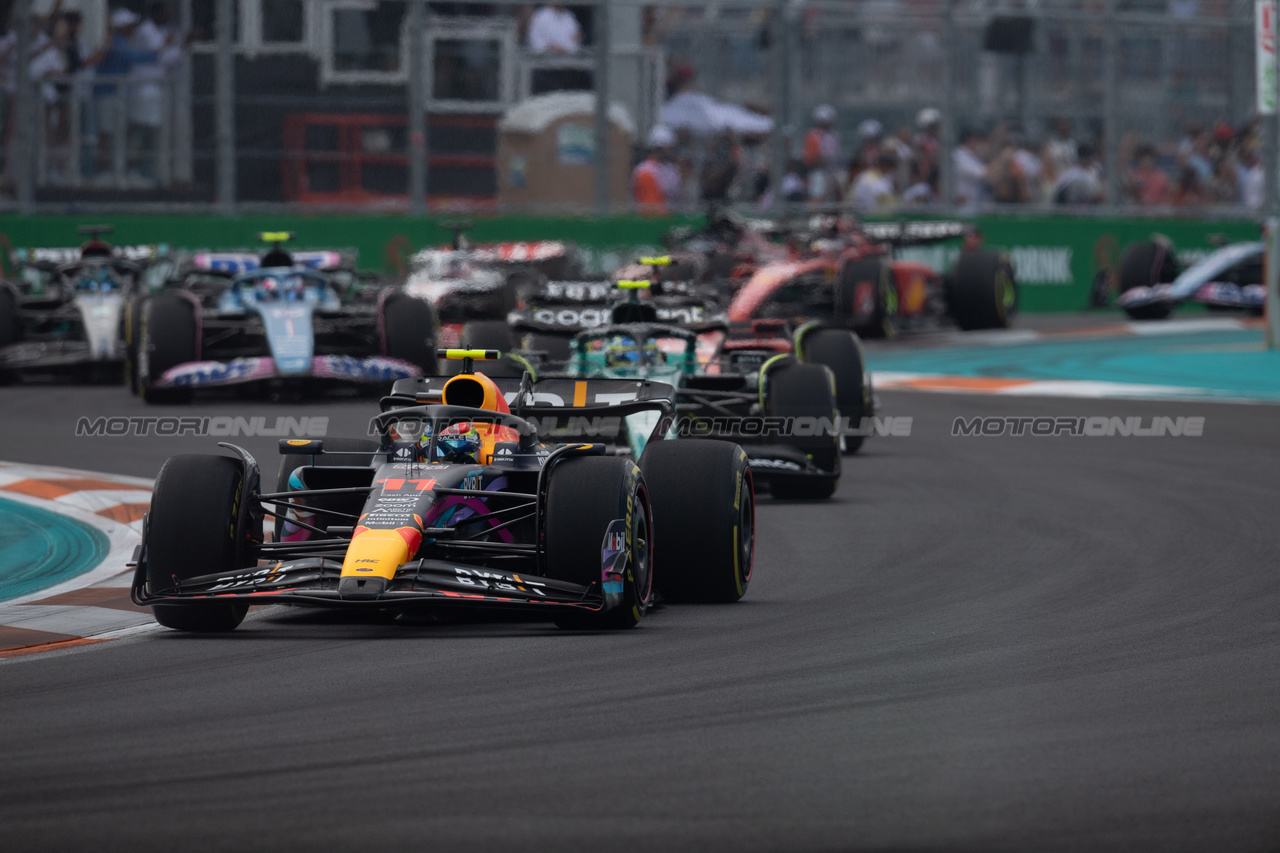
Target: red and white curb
point(93, 607)
point(887, 380)
point(1152, 328)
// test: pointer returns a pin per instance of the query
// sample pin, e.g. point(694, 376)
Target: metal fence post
point(1110, 118)
point(22, 165)
point(417, 107)
point(1273, 282)
point(946, 165)
point(603, 40)
point(225, 107)
point(779, 138)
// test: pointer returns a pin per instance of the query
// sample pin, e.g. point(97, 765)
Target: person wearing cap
point(928, 139)
point(146, 101)
point(821, 148)
point(655, 182)
point(114, 59)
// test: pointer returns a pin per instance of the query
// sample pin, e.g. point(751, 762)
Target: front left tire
point(198, 526)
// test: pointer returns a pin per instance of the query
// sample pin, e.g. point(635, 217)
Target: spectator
point(655, 182)
point(970, 171)
point(113, 60)
point(923, 190)
point(1061, 151)
point(1200, 157)
point(1081, 183)
point(720, 169)
point(1148, 184)
point(873, 189)
point(928, 139)
point(555, 30)
point(1008, 180)
point(1190, 192)
point(795, 184)
point(1030, 165)
point(821, 148)
point(1252, 178)
point(1224, 186)
point(147, 99)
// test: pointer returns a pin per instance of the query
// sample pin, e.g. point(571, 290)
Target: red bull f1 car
point(459, 503)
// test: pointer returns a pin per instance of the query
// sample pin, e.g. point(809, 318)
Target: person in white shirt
point(873, 188)
point(554, 29)
point(1081, 183)
point(970, 171)
point(147, 95)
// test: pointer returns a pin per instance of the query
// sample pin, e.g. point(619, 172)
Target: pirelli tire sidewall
point(168, 336)
point(585, 495)
point(199, 524)
point(703, 499)
point(982, 292)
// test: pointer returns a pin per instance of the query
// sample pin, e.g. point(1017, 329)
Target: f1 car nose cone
point(359, 589)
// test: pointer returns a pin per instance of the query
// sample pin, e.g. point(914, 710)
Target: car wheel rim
point(746, 528)
point(640, 564)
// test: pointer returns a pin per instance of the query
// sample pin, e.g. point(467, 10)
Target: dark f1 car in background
point(848, 275)
point(1152, 281)
point(280, 324)
point(468, 283)
point(66, 309)
point(459, 503)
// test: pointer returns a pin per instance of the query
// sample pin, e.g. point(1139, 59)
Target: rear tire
point(10, 326)
point(410, 329)
point(806, 390)
point(704, 503)
point(841, 352)
point(132, 329)
point(982, 292)
point(8, 316)
point(882, 322)
point(1147, 263)
point(168, 337)
point(197, 526)
point(493, 334)
point(584, 496)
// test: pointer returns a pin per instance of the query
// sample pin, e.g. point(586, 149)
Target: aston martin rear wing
point(916, 233)
point(550, 396)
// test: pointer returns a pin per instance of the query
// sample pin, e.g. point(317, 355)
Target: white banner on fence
point(1265, 47)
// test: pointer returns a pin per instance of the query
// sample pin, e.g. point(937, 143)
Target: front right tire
point(704, 504)
point(585, 495)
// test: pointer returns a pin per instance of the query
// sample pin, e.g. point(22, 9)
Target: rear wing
point(915, 233)
point(553, 396)
point(70, 254)
point(235, 263)
point(518, 252)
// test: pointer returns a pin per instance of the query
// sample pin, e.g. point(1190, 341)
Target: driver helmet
point(97, 278)
point(458, 443)
point(269, 288)
point(625, 351)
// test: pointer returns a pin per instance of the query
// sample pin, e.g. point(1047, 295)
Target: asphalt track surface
point(981, 643)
